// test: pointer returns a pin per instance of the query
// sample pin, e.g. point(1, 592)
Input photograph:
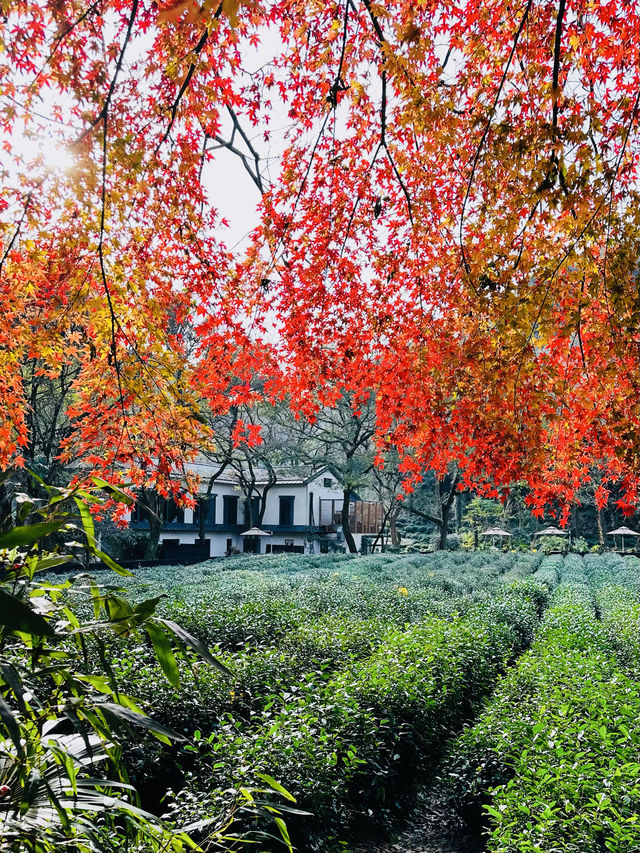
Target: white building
point(302, 513)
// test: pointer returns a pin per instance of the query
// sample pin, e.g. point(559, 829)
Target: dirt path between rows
point(431, 827)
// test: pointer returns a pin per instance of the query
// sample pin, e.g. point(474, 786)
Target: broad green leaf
point(283, 832)
point(118, 608)
point(106, 559)
point(163, 733)
point(96, 681)
point(164, 653)
point(49, 562)
point(31, 533)
point(25, 506)
point(12, 679)
point(87, 521)
point(6, 716)
point(114, 491)
point(194, 644)
point(271, 782)
point(147, 608)
point(15, 615)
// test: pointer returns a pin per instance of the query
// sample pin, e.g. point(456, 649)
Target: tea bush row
point(615, 569)
point(619, 609)
point(554, 761)
point(349, 747)
point(261, 606)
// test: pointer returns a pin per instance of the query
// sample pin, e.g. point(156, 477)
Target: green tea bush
point(348, 673)
point(349, 746)
point(549, 570)
point(554, 760)
point(620, 613)
point(603, 569)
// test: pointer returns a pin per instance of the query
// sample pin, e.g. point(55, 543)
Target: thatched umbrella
point(495, 531)
point(255, 531)
point(552, 531)
point(622, 531)
point(254, 534)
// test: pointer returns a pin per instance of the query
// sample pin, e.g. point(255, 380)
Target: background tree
point(453, 223)
point(339, 438)
point(433, 500)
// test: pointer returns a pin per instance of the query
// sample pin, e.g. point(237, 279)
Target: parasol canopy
point(255, 531)
point(552, 531)
point(495, 531)
point(622, 532)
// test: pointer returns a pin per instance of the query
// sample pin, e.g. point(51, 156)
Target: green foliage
point(347, 742)
point(553, 544)
point(63, 722)
point(350, 675)
point(554, 761)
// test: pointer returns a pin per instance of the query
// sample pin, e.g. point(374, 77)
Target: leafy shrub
point(61, 728)
point(349, 746)
point(554, 760)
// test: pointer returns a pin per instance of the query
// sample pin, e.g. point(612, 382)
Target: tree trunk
point(444, 506)
point(150, 503)
point(202, 505)
point(153, 542)
point(348, 537)
point(5, 508)
point(600, 530)
point(444, 527)
point(393, 532)
point(441, 542)
point(203, 502)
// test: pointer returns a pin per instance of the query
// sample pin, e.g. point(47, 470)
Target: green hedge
point(347, 748)
point(555, 759)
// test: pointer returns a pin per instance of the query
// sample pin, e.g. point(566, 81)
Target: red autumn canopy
point(453, 222)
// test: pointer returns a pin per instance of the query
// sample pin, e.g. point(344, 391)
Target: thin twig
point(487, 128)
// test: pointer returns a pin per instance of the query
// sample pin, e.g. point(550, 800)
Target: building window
point(138, 518)
point(286, 511)
point(330, 513)
point(172, 513)
point(208, 506)
point(229, 509)
point(255, 511)
point(327, 482)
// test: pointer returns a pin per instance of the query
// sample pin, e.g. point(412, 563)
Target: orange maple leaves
point(453, 223)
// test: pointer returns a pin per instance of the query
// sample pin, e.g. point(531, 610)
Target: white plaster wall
point(300, 504)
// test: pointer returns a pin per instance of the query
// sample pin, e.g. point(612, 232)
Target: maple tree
point(454, 224)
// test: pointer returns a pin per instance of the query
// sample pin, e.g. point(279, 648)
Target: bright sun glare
point(57, 158)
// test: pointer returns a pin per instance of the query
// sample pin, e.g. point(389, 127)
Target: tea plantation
point(514, 677)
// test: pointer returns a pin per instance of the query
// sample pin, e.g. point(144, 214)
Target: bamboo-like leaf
point(271, 782)
point(15, 615)
point(114, 491)
point(108, 561)
point(87, 521)
point(284, 832)
point(11, 724)
point(163, 733)
point(195, 645)
point(164, 653)
point(147, 608)
point(49, 562)
point(30, 534)
point(12, 679)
